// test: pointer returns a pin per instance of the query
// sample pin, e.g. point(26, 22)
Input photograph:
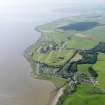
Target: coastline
point(56, 93)
point(52, 95)
point(55, 99)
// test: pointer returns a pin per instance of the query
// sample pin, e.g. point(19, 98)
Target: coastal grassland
point(52, 35)
point(87, 39)
point(100, 69)
point(85, 96)
point(57, 36)
point(52, 58)
point(81, 42)
point(98, 33)
point(57, 81)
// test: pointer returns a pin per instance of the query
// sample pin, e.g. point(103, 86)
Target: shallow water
point(17, 87)
point(80, 26)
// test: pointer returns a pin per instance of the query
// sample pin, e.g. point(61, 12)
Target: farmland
point(72, 50)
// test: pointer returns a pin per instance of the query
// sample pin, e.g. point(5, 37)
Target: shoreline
point(52, 95)
point(55, 94)
point(54, 99)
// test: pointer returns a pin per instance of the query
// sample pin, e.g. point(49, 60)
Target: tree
point(92, 72)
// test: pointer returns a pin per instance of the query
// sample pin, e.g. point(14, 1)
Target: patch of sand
point(76, 57)
point(57, 96)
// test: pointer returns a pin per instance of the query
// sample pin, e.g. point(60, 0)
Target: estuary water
point(17, 24)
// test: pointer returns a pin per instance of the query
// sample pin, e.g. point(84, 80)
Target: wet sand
point(56, 95)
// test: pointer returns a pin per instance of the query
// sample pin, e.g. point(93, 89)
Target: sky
point(13, 4)
point(10, 4)
point(13, 8)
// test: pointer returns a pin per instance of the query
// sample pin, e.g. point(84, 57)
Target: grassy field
point(85, 96)
point(100, 69)
point(52, 58)
point(81, 42)
point(86, 93)
point(98, 33)
point(83, 68)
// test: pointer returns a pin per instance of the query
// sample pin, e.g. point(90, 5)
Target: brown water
point(17, 23)
point(17, 87)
